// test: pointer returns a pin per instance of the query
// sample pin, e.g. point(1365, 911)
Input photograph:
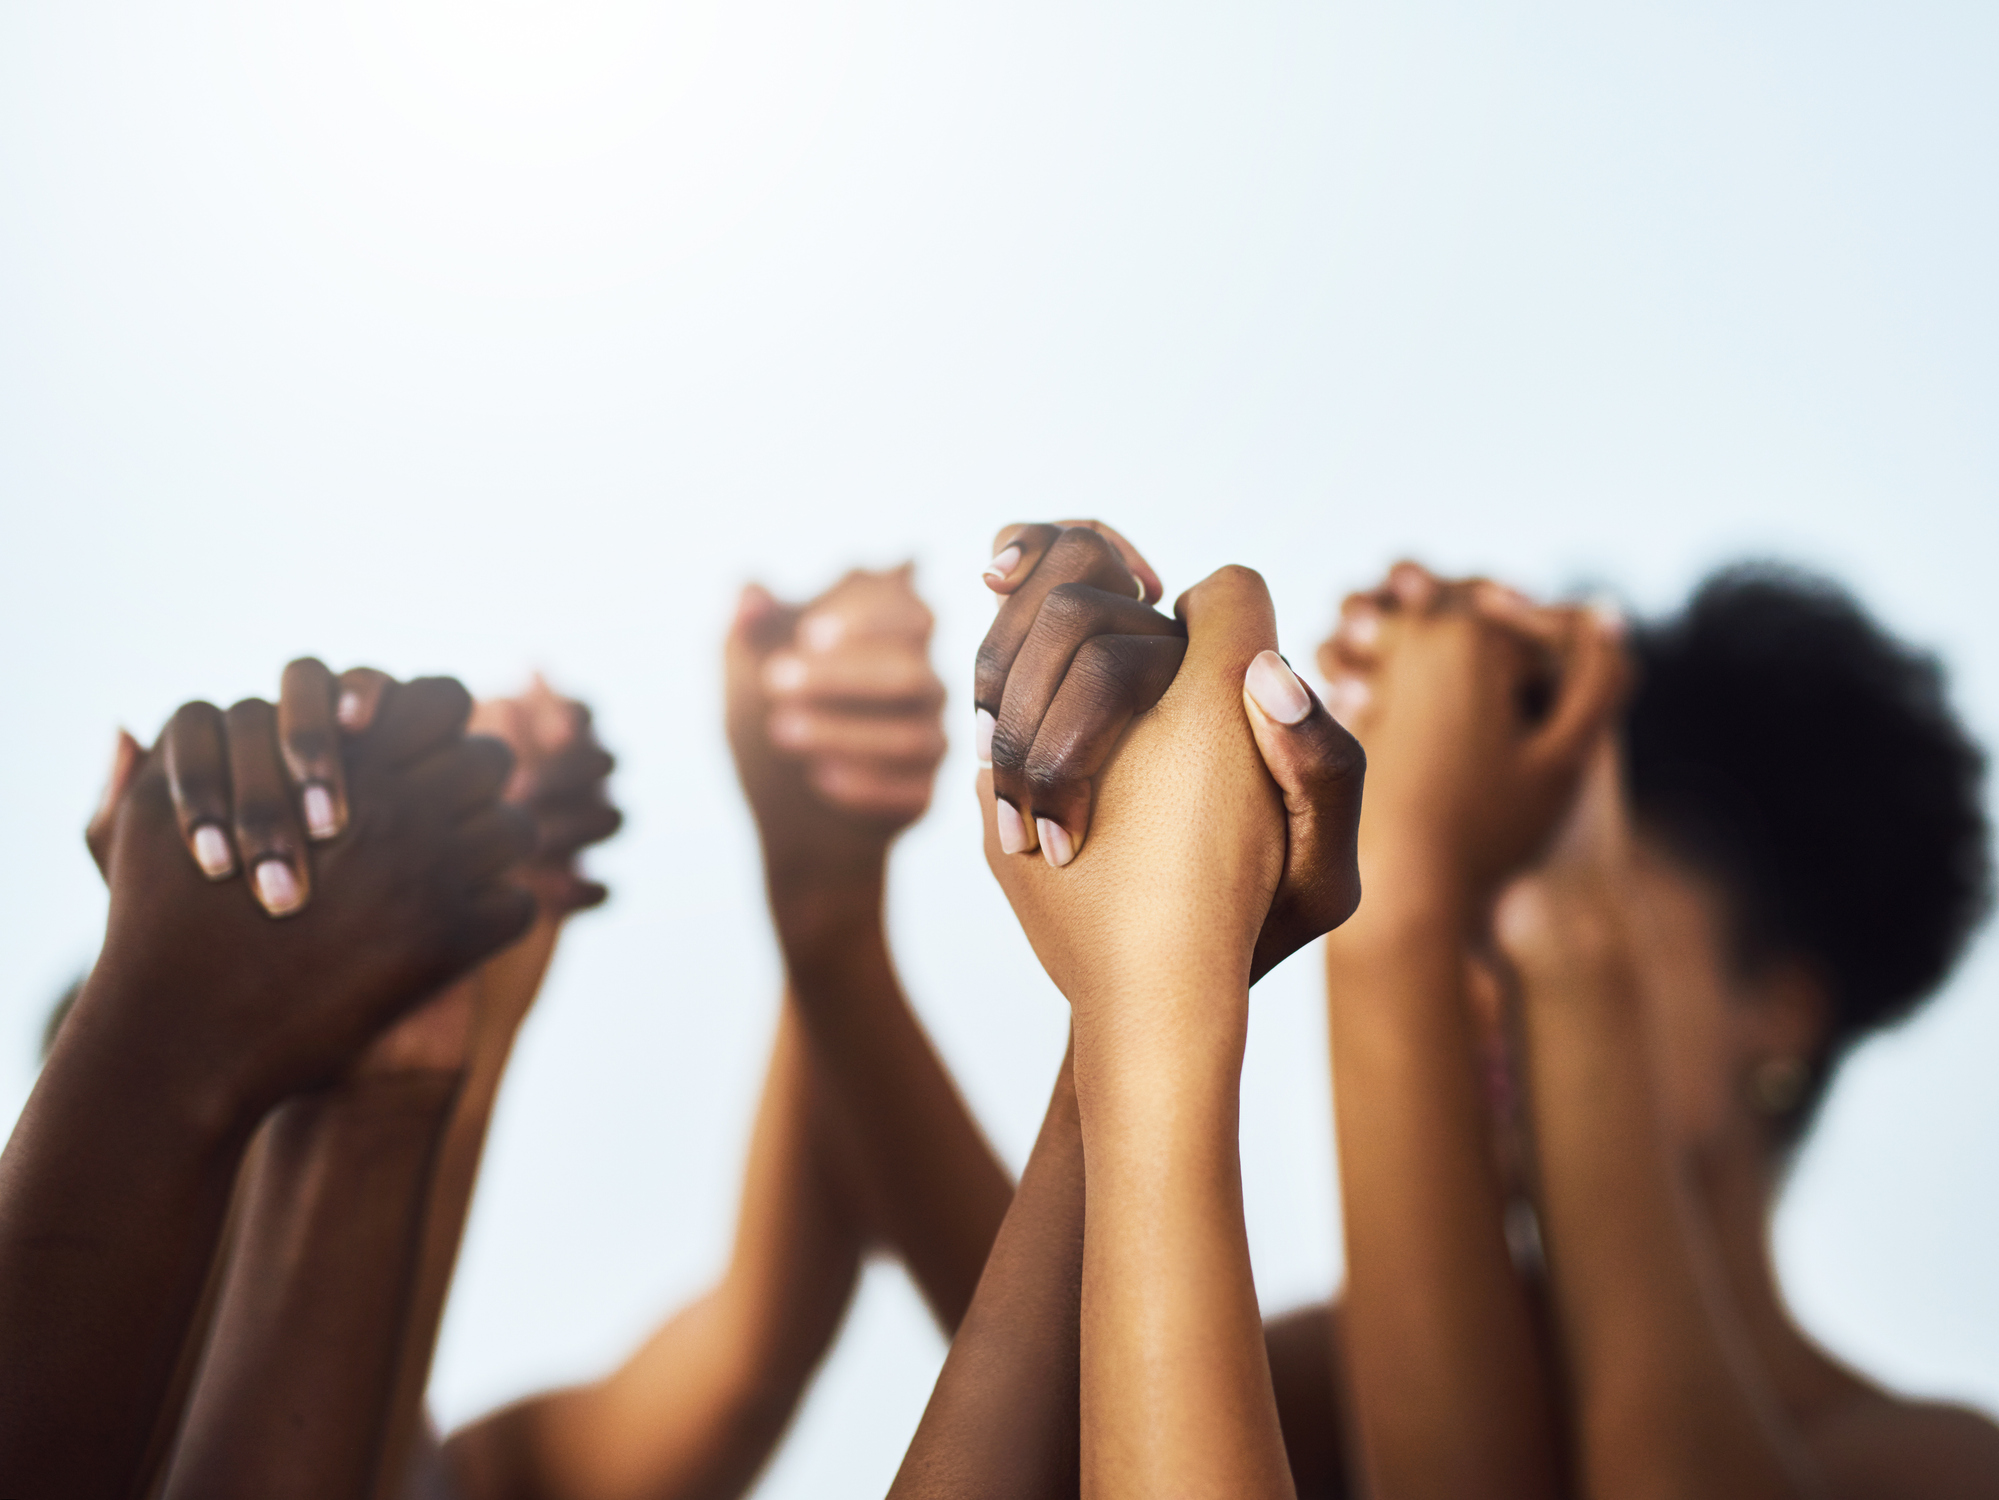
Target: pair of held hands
point(394, 850)
point(1232, 820)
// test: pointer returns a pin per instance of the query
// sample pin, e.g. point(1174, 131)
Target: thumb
point(1319, 768)
point(126, 757)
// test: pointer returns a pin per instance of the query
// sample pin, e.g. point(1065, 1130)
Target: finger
point(126, 758)
point(361, 691)
point(863, 605)
point(1413, 586)
point(416, 717)
point(1594, 675)
point(1070, 614)
point(762, 621)
point(462, 778)
point(269, 837)
point(580, 770)
point(829, 731)
point(1074, 555)
point(494, 917)
point(494, 840)
point(561, 834)
point(1319, 767)
point(1017, 551)
point(872, 789)
point(195, 749)
point(1150, 589)
point(309, 735)
point(1111, 680)
point(865, 672)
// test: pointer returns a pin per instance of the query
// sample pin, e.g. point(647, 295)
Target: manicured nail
point(277, 888)
point(211, 851)
point(318, 804)
point(1345, 698)
point(788, 729)
point(1362, 629)
point(1003, 563)
point(821, 632)
point(982, 736)
point(1273, 687)
point(348, 710)
point(784, 672)
point(1055, 845)
point(1012, 831)
point(1140, 583)
point(1609, 616)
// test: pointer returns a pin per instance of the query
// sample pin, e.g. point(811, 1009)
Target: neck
point(1736, 1187)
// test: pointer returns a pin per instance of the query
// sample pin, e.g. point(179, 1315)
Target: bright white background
point(483, 334)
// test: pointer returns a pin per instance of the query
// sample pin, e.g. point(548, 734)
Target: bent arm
point(1668, 1401)
point(931, 1188)
point(700, 1407)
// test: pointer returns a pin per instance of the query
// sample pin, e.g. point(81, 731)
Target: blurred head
point(1813, 848)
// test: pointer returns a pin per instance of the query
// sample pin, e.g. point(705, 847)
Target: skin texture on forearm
point(506, 987)
point(294, 1390)
point(1003, 1422)
point(933, 1191)
point(1176, 1388)
point(113, 1190)
point(697, 1411)
point(1668, 1401)
point(1450, 1388)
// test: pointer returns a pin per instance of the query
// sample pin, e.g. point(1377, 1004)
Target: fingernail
point(1055, 845)
point(348, 710)
point(1012, 831)
point(1609, 616)
point(1345, 698)
point(1363, 629)
point(821, 632)
point(1003, 563)
point(1140, 584)
point(784, 672)
point(211, 851)
point(277, 887)
point(318, 804)
point(982, 737)
point(1274, 687)
point(787, 729)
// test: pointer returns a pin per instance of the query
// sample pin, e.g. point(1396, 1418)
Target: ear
point(1789, 1012)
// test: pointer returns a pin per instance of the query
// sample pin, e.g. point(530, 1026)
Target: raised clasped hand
point(835, 718)
point(1076, 658)
point(406, 885)
point(1477, 709)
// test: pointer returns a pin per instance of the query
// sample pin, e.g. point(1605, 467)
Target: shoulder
point(1881, 1446)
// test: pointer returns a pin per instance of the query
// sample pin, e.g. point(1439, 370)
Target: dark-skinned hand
point(1072, 659)
point(407, 889)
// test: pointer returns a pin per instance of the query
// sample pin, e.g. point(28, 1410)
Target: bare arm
point(1668, 1395)
point(1003, 1422)
point(1452, 1389)
point(293, 1395)
point(698, 1409)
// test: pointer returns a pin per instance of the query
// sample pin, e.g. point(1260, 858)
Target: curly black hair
point(1784, 743)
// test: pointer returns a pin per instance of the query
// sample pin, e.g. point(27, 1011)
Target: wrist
point(817, 910)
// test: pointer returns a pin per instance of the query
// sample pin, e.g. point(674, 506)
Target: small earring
point(1778, 1084)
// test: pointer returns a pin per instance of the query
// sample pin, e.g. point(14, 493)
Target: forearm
point(113, 1190)
point(1450, 1385)
point(1667, 1401)
point(1003, 1421)
point(1176, 1393)
point(294, 1394)
point(934, 1191)
point(698, 1409)
point(506, 985)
